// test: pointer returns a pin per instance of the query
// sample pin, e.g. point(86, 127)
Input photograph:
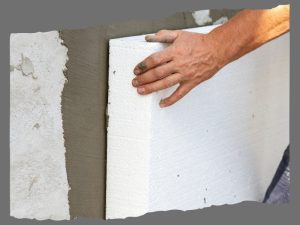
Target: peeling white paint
point(202, 17)
point(38, 179)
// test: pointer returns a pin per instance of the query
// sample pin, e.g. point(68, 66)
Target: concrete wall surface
point(38, 178)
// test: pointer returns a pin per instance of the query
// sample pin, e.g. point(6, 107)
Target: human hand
point(190, 59)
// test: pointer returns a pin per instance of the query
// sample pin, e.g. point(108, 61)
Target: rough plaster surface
point(38, 179)
point(221, 144)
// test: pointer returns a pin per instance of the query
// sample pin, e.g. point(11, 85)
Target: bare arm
point(193, 58)
point(250, 29)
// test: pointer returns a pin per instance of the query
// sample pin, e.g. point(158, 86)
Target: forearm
point(248, 30)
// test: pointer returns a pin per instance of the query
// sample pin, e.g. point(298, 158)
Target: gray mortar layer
point(84, 102)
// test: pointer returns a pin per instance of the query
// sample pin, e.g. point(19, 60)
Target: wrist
point(221, 45)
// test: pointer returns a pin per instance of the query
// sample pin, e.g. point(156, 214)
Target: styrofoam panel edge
point(116, 130)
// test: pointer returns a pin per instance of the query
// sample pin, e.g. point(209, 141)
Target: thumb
point(164, 36)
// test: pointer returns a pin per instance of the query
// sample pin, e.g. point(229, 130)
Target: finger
point(152, 61)
point(155, 74)
point(179, 93)
point(161, 84)
point(164, 36)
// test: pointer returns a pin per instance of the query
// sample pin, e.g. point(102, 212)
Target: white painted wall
point(221, 144)
point(38, 179)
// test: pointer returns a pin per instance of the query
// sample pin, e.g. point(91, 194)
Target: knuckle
point(147, 89)
point(140, 79)
point(171, 101)
point(166, 83)
point(154, 60)
point(169, 82)
point(163, 31)
point(180, 93)
point(168, 101)
point(157, 73)
point(179, 49)
point(191, 74)
point(180, 64)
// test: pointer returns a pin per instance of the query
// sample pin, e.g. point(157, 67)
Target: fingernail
point(139, 68)
point(136, 71)
point(141, 90)
point(135, 82)
point(149, 38)
point(162, 104)
point(142, 66)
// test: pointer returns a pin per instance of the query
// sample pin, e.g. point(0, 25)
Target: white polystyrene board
point(38, 178)
point(220, 144)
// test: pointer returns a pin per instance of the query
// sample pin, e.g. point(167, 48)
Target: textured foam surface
point(221, 144)
point(38, 179)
